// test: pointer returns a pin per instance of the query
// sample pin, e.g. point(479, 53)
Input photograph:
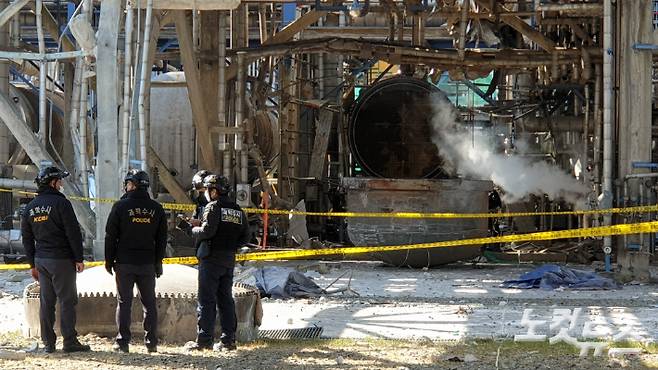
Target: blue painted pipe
point(644, 165)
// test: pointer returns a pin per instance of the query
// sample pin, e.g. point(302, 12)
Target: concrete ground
point(457, 302)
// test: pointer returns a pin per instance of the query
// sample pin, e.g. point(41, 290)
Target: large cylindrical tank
point(422, 195)
point(390, 132)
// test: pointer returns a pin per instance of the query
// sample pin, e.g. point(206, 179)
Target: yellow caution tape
point(622, 229)
point(25, 266)
point(638, 209)
point(410, 215)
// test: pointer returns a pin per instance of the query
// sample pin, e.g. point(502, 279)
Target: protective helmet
point(197, 180)
point(137, 177)
point(47, 174)
point(218, 182)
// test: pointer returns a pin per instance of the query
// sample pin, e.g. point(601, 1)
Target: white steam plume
point(517, 176)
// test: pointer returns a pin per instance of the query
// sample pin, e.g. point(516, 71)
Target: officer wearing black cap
point(223, 229)
point(135, 242)
point(53, 246)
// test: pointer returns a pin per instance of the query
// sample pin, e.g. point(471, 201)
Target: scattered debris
point(17, 278)
point(286, 282)
point(33, 348)
point(464, 310)
point(551, 277)
point(340, 360)
point(617, 352)
point(11, 355)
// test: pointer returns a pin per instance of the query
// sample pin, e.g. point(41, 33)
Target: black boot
point(120, 347)
point(48, 348)
point(76, 346)
point(224, 347)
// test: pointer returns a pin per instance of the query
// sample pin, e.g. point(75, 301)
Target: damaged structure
point(359, 106)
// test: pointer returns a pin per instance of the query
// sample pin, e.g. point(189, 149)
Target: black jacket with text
point(136, 231)
point(50, 229)
point(225, 226)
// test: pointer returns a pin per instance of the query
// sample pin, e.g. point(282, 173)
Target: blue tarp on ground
point(550, 277)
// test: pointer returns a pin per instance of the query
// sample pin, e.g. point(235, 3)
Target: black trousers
point(127, 276)
point(57, 282)
point(215, 292)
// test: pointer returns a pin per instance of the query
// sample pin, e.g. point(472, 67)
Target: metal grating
point(301, 333)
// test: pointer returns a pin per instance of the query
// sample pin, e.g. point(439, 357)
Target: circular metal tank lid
point(390, 130)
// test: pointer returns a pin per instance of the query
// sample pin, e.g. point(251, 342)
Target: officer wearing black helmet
point(135, 242)
point(53, 246)
point(223, 229)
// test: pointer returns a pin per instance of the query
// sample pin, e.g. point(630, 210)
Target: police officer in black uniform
point(53, 246)
point(223, 229)
point(135, 242)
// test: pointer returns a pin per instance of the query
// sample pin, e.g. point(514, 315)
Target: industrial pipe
point(42, 73)
point(11, 11)
point(4, 89)
point(82, 131)
point(224, 150)
point(598, 129)
point(17, 184)
point(75, 104)
point(196, 30)
point(585, 161)
point(239, 116)
point(146, 70)
point(16, 32)
point(589, 8)
point(607, 120)
point(462, 28)
point(87, 10)
point(127, 61)
point(585, 136)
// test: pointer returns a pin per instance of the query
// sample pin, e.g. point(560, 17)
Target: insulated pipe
point(4, 85)
point(82, 131)
point(598, 124)
point(592, 8)
point(224, 151)
point(585, 161)
point(142, 85)
point(17, 184)
point(75, 96)
point(87, 10)
point(462, 28)
point(16, 32)
point(400, 19)
point(42, 73)
point(586, 136)
point(422, 19)
point(262, 23)
point(196, 29)
point(607, 120)
point(239, 115)
point(127, 61)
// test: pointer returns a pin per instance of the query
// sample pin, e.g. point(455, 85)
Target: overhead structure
point(289, 99)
